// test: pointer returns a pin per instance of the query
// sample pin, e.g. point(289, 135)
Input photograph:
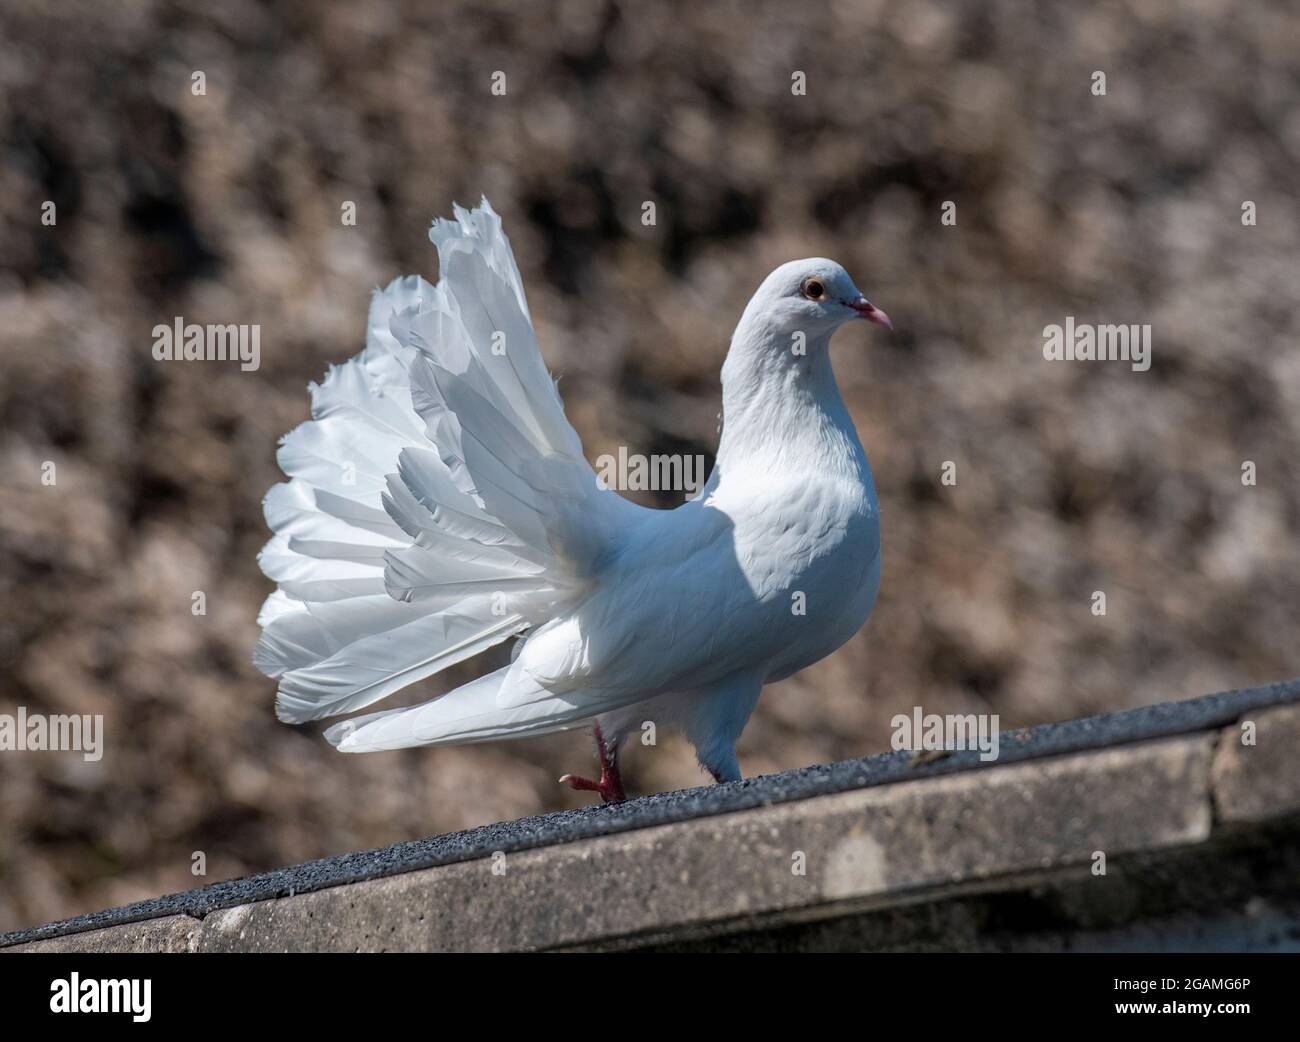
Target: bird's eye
point(814, 289)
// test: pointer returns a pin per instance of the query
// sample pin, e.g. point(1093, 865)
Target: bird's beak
point(870, 312)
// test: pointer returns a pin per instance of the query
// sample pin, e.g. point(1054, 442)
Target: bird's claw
point(610, 785)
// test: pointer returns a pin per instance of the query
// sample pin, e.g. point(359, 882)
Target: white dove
point(440, 503)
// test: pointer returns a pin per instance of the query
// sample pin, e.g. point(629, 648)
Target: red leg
point(610, 785)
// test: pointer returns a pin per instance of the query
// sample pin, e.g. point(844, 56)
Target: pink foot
point(610, 785)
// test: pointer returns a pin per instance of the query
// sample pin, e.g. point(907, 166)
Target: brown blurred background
point(226, 208)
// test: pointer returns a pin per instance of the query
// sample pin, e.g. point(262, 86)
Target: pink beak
point(870, 312)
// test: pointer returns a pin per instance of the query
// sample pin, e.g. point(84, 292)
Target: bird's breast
point(810, 542)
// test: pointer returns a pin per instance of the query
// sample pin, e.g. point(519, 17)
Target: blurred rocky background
point(226, 207)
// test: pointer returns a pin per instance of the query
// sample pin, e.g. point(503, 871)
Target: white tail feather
point(467, 715)
point(438, 503)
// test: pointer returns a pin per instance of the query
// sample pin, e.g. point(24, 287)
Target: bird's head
point(813, 296)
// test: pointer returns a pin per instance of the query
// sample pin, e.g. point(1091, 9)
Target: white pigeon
point(439, 503)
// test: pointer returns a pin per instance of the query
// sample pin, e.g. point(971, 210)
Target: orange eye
point(814, 289)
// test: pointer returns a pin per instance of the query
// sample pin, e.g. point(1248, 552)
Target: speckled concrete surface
point(1109, 733)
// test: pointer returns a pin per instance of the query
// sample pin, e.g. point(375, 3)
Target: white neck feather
point(780, 408)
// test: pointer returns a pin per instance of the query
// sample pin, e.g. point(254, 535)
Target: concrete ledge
point(660, 880)
point(795, 852)
point(173, 933)
point(1257, 776)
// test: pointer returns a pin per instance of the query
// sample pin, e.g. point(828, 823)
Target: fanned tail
point(438, 500)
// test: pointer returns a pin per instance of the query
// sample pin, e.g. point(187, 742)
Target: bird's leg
point(610, 785)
